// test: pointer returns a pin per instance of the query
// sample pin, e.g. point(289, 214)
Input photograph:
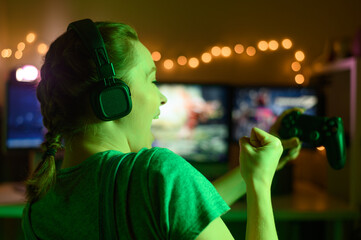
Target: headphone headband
point(92, 39)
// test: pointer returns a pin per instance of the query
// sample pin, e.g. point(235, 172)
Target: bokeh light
point(6, 53)
point(156, 56)
point(19, 74)
point(226, 51)
point(273, 45)
point(239, 48)
point(30, 37)
point(18, 54)
point(299, 79)
point(296, 66)
point(286, 43)
point(27, 73)
point(300, 56)
point(168, 64)
point(262, 45)
point(216, 51)
point(21, 46)
point(193, 62)
point(206, 57)
point(251, 51)
point(42, 48)
point(321, 148)
point(182, 60)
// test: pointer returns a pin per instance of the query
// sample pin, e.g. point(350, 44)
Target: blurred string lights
point(214, 52)
point(27, 73)
point(30, 39)
point(238, 49)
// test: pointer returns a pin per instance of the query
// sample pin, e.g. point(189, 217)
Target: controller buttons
point(314, 135)
point(334, 129)
point(331, 123)
point(294, 132)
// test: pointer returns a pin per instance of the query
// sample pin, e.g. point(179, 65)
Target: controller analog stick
point(294, 131)
point(331, 123)
point(314, 135)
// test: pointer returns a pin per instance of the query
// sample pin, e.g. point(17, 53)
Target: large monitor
point(23, 125)
point(195, 122)
point(260, 106)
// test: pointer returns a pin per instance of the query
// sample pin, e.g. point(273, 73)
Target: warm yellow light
point(320, 148)
point(273, 45)
point(296, 66)
point(21, 46)
point(300, 79)
point(182, 60)
point(287, 43)
point(168, 64)
point(300, 56)
point(226, 51)
point(239, 48)
point(42, 48)
point(193, 62)
point(18, 54)
point(6, 53)
point(216, 51)
point(156, 56)
point(263, 45)
point(206, 57)
point(251, 51)
point(30, 37)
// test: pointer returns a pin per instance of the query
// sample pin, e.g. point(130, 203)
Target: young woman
point(158, 195)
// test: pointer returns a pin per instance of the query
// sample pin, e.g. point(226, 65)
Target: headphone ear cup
point(111, 102)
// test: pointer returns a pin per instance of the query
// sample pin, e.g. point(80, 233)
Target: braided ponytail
point(44, 176)
point(67, 75)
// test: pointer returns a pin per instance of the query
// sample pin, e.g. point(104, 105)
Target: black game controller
point(317, 131)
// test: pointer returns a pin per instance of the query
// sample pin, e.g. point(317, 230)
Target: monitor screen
point(24, 126)
point(194, 123)
point(259, 107)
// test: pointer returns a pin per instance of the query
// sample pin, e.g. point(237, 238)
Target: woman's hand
point(259, 157)
point(291, 146)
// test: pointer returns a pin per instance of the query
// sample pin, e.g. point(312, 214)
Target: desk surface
point(12, 199)
point(306, 203)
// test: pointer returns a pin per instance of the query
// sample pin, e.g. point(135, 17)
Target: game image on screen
point(259, 107)
point(24, 121)
point(194, 122)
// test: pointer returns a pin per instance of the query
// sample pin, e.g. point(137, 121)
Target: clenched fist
point(259, 157)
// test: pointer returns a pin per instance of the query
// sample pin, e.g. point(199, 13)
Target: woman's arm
point(259, 157)
point(230, 186)
point(260, 219)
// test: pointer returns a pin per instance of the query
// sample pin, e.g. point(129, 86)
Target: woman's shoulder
point(157, 151)
point(164, 163)
point(161, 157)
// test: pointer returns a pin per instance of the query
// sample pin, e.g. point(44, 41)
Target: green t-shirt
point(159, 195)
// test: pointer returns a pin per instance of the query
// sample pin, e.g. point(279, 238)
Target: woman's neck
point(82, 147)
